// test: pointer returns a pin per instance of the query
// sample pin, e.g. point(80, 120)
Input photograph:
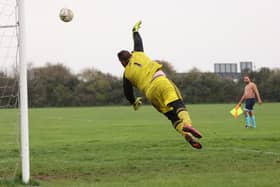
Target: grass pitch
point(116, 146)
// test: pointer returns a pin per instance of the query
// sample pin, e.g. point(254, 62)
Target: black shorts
point(250, 104)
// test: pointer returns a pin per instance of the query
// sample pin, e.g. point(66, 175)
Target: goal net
point(9, 79)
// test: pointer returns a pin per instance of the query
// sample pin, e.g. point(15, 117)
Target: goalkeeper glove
point(137, 103)
point(137, 26)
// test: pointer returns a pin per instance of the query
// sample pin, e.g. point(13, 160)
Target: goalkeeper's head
point(124, 57)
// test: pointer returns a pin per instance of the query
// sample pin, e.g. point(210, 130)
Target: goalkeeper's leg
point(181, 121)
point(166, 98)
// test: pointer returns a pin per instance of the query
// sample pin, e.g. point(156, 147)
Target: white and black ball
point(66, 14)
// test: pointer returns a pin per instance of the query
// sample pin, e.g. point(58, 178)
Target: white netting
point(8, 54)
point(9, 149)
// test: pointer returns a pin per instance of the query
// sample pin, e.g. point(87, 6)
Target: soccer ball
point(66, 15)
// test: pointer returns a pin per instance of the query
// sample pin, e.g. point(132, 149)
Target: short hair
point(124, 56)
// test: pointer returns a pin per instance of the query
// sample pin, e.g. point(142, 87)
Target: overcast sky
point(187, 33)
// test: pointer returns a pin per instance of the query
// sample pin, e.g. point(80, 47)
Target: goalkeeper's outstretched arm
point(138, 43)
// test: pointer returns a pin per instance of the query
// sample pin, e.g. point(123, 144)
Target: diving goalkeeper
point(148, 77)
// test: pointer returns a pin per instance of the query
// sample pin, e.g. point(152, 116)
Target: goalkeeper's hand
point(137, 26)
point(137, 103)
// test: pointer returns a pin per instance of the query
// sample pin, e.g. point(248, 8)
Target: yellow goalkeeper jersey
point(140, 70)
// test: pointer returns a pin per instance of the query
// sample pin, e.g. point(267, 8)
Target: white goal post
point(23, 94)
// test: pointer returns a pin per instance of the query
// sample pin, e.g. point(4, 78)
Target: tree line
point(54, 85)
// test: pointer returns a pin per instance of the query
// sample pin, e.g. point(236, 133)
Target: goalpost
point(14, 22)
point(23, 95)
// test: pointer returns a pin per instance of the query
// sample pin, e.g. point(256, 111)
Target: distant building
point(246, 66)
point(230, 70)
point(227, 70)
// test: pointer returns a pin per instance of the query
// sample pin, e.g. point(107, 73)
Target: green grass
point(116, 146)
